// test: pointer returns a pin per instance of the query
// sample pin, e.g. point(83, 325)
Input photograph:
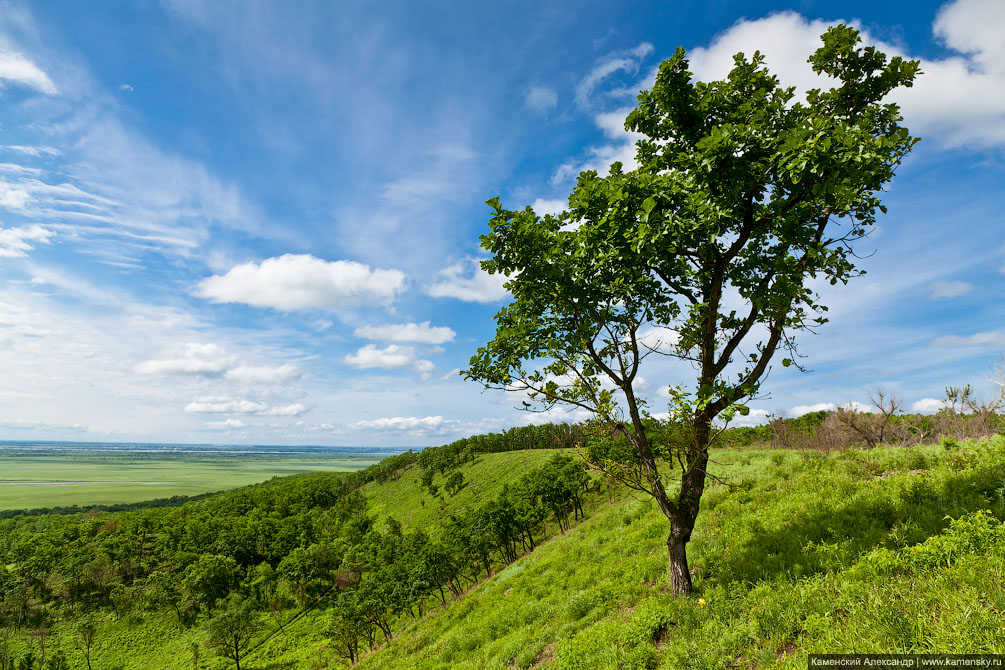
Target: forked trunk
point(680, 575)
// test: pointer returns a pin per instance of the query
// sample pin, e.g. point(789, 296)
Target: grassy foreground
point(869, 551)
point(886, 550)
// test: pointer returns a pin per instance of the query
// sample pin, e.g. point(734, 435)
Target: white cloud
point(657, 339)
point(467, 281)
point(23, 424)
point(853, 405)
point(126, 88)
point(541, 99)
point(263, 374)
point(16, 69)
point(950, 289)
point(407, 332)
point(799, 410)
point(211, 360)
point(402, 423)
point(618, 62)
point(620, 148)
point(928, 405)
point(17, 242)
point(390, 357)
point(190, 359)
point(958, 100)
point(12, 197)
point(992, 338)
point(554, 207)
point(292, 282)
point(30, 150)
point(295, 409)
point(242, 406)
point(225, 406)
point(228, 424)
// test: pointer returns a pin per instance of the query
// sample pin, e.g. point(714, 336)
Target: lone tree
point(232, 629)
point(705, 252)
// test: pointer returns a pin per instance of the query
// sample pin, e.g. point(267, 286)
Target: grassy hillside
point(405, 500)
point(885, 550)
point(870, 551)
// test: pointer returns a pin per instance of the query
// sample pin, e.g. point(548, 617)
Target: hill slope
point(887, 550)
point(815, 555)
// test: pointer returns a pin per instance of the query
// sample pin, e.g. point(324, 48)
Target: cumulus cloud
point(16, 69)
point(407, 332)
point(190, 359)
point(402, 423)
point(541, 99)
point(225, 406)
point(950, 289)
point(390, 357)
point(554, 207)
point(228, 424)
point(242, 406)
point(994, 338)
point(657, 339)
point(211, 360)
point(958, 100)
point(292, 282)
point(263, 374)
point(928, 405)
point(799, 410)
point(468, 282)
point(853, 405)
point(17, 242)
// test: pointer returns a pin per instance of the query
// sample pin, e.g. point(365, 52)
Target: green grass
point(62, 479)
point(406, 501)
point(877, 551)
point(810, 554)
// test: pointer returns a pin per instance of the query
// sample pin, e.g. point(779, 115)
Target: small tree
point(704, 253)
point(232, 629)
point(87, 632)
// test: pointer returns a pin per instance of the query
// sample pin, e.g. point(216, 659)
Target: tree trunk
point(680, 575)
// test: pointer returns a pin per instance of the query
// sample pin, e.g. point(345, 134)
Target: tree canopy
point(707, 251)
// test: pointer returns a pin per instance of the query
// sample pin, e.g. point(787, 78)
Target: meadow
point(47, 476)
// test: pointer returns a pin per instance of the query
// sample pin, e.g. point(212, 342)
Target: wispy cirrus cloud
point(989, 339)
point(18, 70)
point(17, 242)
point(950, 289)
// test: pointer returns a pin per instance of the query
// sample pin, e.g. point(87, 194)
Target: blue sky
point(258, 222)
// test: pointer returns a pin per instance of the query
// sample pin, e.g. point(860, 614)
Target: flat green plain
point(55, 478)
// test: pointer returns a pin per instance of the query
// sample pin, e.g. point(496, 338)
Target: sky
point(257, 222)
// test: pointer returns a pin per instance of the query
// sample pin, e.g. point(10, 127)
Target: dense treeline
point(240, 565)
